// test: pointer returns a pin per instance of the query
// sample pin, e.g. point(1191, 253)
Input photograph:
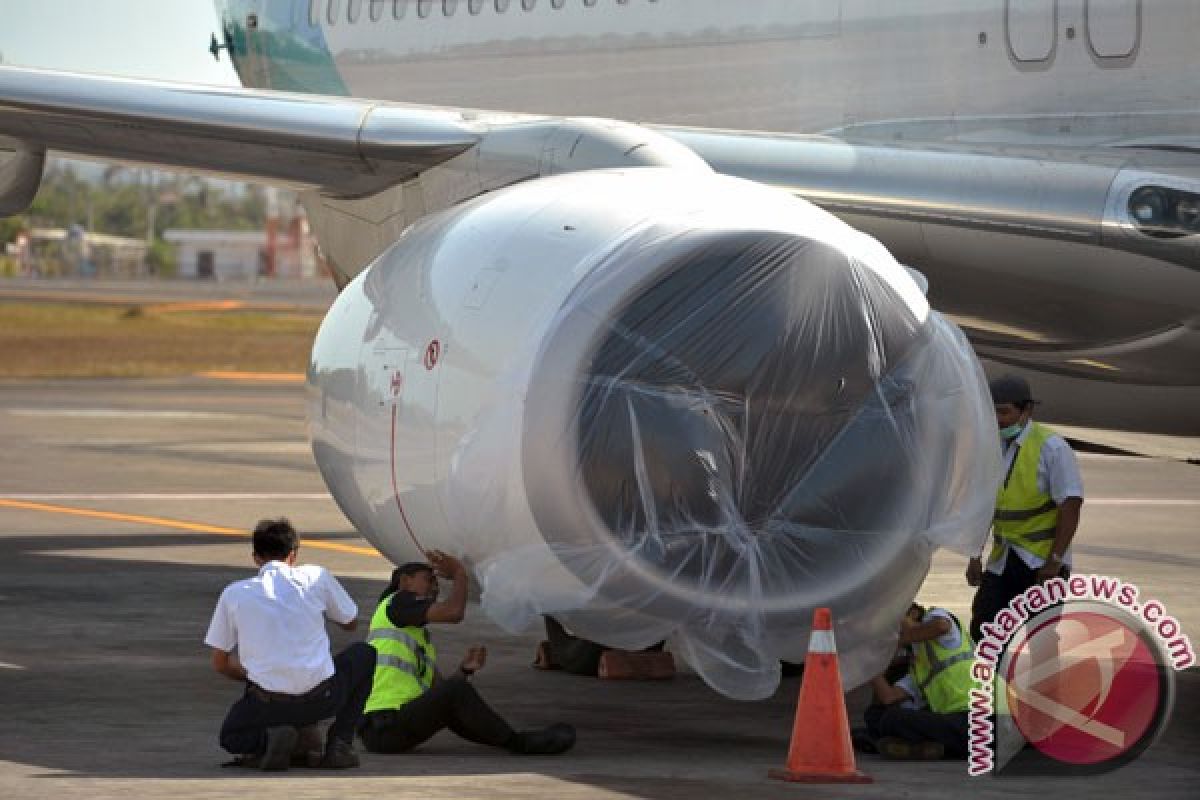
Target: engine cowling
point(658, 405)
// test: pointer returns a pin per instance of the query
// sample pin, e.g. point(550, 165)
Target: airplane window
point(353, 10)
point(557, 4)
point(314, 13)
point(528, 5)
point(376, 9)
point(332, 12)
point(475, 6)
point(398, 8)
point(449, 7)
point(589, 3)
point(501, 6)
point(423, 7)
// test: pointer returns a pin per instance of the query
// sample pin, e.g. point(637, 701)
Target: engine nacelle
point(657, 405)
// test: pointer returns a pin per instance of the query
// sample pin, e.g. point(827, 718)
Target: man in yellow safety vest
point(923, 715)
point(1037, 506)
point(410, 701)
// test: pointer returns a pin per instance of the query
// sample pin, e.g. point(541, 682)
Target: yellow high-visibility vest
point(405, 663)
point(944, 675)
point(1025, 515)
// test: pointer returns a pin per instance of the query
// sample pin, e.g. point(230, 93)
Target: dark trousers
point(997, 591)
point(919, 726)
point(451, 703)
point(576, 656)
point(245, 728)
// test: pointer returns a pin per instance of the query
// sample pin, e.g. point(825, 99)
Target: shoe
point(280, 743)
point(339, 755)
point(623, 665)
point(310, 747)
point(557, 738)
point(862, 741)
point(897, 749)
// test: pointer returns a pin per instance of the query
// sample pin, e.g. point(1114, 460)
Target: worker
point(923, 715)
point(563, 650)
point(276, 623)
point(1037, 506)
point(410, 701)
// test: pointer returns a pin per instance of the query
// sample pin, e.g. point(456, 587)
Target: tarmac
point(123, 511)
point(298, 295)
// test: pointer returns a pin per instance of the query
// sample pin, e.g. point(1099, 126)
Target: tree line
point(139, 204)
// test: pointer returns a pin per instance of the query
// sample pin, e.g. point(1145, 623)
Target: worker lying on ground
point(924, 714)
point(410, 701)
point(563, 650)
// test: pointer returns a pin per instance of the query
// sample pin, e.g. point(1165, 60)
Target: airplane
point(579, 338)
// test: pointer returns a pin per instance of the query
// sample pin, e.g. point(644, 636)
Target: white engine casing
point(448, 383)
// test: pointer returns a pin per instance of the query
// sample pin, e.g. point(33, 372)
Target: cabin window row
point(352, 11)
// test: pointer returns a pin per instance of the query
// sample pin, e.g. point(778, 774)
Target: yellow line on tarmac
point(260, 377)
point(193, 305)
point(163, 522)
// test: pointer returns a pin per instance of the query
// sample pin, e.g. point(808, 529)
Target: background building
point(246, 255)
point(74, 252)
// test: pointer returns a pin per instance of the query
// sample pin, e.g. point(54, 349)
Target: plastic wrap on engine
point(723, 430)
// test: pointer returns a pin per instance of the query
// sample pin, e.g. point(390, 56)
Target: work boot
point(281, 741)
point(623, 665)
point(863, 742)
point(248, 760)
point(310, 747)
point(896, 749)
point(339, 755)
point(550, 741)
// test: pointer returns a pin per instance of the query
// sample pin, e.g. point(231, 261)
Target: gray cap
point(1010, 389)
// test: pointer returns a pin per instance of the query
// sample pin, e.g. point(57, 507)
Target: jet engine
point(658, 405)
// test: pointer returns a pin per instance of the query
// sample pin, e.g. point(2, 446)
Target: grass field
point(50, 340)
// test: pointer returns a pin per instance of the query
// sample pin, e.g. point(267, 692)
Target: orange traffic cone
point(821, 751)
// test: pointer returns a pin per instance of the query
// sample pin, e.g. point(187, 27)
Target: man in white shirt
point(276, 623)
point(1037, 506)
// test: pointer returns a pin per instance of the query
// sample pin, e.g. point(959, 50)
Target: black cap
point(1010, 389)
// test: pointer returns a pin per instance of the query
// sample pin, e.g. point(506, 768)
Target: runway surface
point(308, 295)
point(123, 511)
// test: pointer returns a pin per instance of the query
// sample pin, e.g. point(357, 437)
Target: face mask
point(1011, 432)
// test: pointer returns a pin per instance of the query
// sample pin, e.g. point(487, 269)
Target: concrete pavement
point(122, 507)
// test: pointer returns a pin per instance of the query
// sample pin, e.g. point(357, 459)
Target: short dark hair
point(1012, 389)
point(917, 607)
point(275, 539)
point(403, 571)
point(411, 568)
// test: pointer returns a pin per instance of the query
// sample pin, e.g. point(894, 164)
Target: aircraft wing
point(349, 147)
point(344, 146)
point(976, 219)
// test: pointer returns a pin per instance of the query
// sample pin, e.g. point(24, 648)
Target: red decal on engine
point(432, 353)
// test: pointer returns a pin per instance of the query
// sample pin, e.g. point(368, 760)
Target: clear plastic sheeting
point(718, 431)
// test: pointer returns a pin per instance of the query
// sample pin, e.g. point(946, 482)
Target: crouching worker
point(410, 701)
point(276, 622)
point(924, 714)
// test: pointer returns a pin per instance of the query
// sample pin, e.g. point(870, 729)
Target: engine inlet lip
point(561, 504)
